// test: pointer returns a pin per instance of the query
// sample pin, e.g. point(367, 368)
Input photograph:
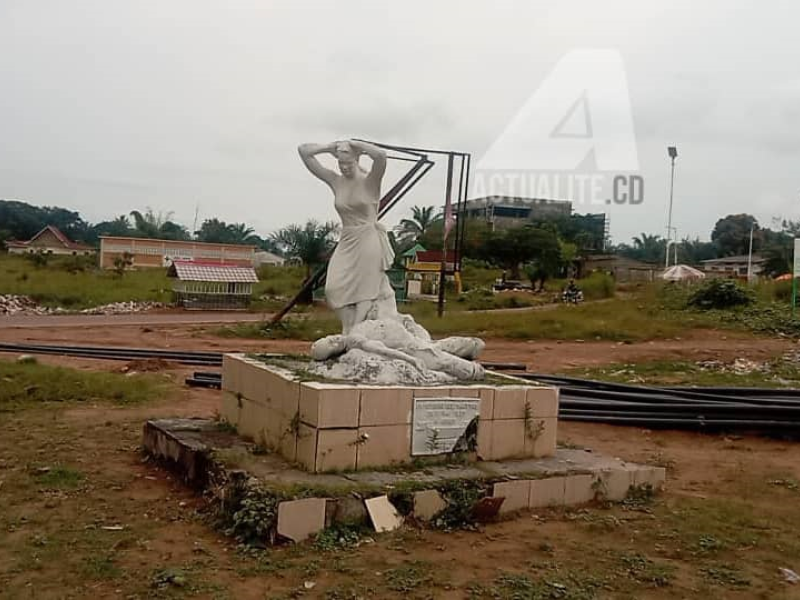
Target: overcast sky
point(108, 106)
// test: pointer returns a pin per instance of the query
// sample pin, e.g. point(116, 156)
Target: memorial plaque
point(439, 423)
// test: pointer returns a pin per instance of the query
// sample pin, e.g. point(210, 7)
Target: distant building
point(162, 253)
point(511, 211)
point(49, 240)
point(410, 255)
point(423, 268)
point(262, 257)
point(621, 268)
point(733, 266)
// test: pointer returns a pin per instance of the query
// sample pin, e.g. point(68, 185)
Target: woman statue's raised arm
point(308, 153)
point(378, 156)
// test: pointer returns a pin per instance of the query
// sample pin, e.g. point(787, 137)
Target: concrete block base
point(203, 451)
point(328, 427)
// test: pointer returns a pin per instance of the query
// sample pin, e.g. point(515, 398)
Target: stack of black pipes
point(765, 410)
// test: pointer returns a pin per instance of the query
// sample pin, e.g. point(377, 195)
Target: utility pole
point(750, 255)
point(672, 151)
point(443, 265)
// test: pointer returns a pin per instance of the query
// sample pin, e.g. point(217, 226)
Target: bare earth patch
point(108, 524)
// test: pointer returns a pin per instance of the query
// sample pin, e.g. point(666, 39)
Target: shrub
point(775, 291)
point(39, 259)
point(721, 294)
point(597, 286)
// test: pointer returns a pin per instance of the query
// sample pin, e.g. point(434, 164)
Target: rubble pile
point(740, 366)
point(25, 306)
point(122, 308)
point(21, 305)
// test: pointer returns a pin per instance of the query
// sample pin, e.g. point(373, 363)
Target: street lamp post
point(750, 255)
point(672, 151)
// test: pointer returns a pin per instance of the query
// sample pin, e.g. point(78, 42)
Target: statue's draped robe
point(357, 269)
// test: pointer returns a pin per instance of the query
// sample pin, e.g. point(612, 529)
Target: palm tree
point(157, 226)
point(149, 224)
point(421, 220)
point(649, 247)
point(240, 233)
point(310, 243)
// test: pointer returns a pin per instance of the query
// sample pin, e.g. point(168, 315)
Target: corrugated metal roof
point(207, 271)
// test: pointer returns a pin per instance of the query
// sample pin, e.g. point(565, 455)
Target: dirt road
point(141, 319)
point(539, 355)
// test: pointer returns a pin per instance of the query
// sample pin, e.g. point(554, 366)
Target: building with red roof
point(49, 240)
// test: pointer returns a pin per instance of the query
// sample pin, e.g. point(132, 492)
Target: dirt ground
point(126, 529)
point(539, 356)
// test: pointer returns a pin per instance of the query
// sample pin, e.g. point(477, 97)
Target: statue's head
point(348, 159)
point(328, 347)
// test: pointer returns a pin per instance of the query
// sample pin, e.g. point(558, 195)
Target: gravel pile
point(122, 308)
point(25, 306)
point(21, 305)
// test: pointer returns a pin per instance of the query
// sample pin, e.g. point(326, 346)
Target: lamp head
point(672, 151)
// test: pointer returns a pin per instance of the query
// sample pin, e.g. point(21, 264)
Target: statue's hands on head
point(347, 153)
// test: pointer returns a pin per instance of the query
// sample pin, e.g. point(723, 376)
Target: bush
point(477, 274)
point(597, 286)
point(775, 291)
point(720, 294)
point(486, 299)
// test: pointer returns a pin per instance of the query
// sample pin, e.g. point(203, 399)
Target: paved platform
point(202, 450)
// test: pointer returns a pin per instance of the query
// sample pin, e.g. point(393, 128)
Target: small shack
point(423, 269)
point(211, 286)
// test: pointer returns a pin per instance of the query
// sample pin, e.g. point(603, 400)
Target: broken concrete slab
point(383, 514)
point(427, 504)
point(210, 456)
point(516, 494)
point(300, 519)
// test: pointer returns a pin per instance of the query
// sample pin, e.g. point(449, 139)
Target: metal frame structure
point(422, 164)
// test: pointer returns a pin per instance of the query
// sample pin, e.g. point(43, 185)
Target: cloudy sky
point(111, 105)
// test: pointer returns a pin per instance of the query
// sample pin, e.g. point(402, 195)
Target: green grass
point(35, 383)
point(59, 477)
point(776, 373)
point(276, 285)
point(58, 285)
point(616, 319)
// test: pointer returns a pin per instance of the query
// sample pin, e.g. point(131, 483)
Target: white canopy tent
point(682, 273)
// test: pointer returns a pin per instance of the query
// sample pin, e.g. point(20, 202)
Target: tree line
point(729, 237)
point(542, 248)
point(21, 221)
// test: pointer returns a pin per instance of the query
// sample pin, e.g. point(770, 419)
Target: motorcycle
point(574, 296)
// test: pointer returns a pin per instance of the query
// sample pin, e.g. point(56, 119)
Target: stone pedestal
point(347, 427)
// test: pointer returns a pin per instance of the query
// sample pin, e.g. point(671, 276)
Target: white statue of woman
point(356, 286)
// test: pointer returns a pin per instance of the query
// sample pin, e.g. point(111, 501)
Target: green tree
point(694, 251)
point(240, 233)
point(778, 248)
point(118, 227)
point(414, 229)
point(645, 247)
point(310, 243)
point(21, 221)
point(548, 260)
point(157, 226)
point(508, 249)
point(220, 232)
point(214, 231)
point(731, 234)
